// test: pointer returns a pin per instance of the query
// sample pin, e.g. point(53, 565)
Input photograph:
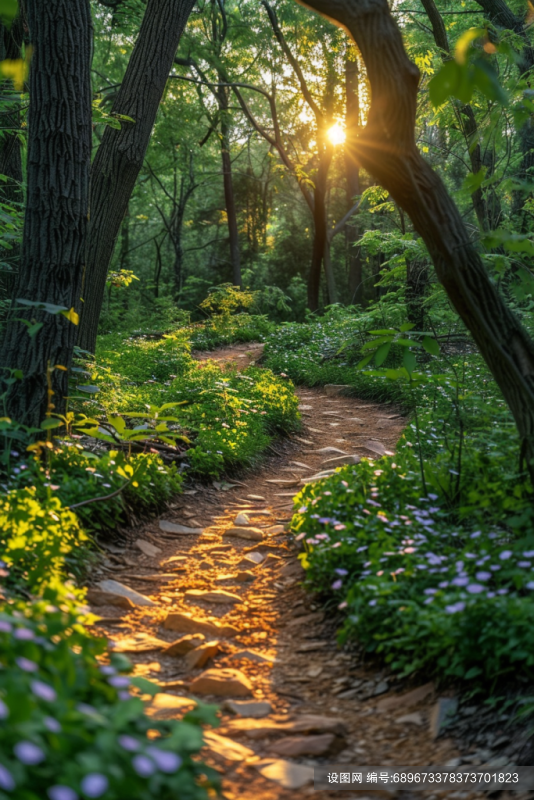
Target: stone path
point(213, 609)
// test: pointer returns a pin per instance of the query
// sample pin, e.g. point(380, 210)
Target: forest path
point(266, 643)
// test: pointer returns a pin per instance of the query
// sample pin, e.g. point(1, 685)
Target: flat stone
point(309, 723)
point(296, 746)
point(184, 645)
point(327, 473)
point(207, 596)
point(222, 682)
point(336, 389)
point(244, 576)
point(185, 623)
point(172, 527)
point(138, 643)
point(285, 773)
point(251, 655)
point(251, 533)
point(406, 700)
point(255, 497)
point(98, 598)
point(332, 451)
point(377, 447)
point(242, 519)
point(380, 688)
point(309, 647)
point(226, 748)
point(254, 557)
point(274, 530)
point(114, 587)
point(411, 719)
point(169, 706)
point(147, 548)
point(245, 708)
point(199, 657)
point(442, 713)
point(339, 461)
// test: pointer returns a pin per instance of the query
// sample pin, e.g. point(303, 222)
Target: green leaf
point(407, 343)
point(452, 79)
point(48, 424)
point(145, 686)
point(408, 359)
point(408, 326)
point(486, 80)
point(88, 389)
point(385, 332)
point(474, 180)
point(431, 346)
point(382, 353)
point(34, 329)
point(363, 363)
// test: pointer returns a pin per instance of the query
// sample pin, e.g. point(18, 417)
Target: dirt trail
point(277, 638)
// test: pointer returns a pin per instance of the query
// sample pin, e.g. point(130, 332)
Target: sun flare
point(337, 134)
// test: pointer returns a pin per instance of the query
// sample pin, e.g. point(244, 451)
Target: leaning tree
point(38, 343)
point(386, 148)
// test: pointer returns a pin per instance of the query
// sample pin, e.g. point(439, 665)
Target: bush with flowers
point(71, 725)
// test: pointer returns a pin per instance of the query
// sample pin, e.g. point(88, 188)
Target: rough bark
point(55, 228)
point(229, 195)
point(320, 229)
point(121, 153)
point(352, 127)
point(387, 149)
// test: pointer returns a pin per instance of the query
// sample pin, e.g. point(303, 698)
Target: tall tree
point(387, 149)
point(55, 228)
point(121, 153)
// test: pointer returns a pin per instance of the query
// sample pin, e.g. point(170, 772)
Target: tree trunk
point(11, 191)
point(229, 196)
point(329, 273)
point(387, 149)
point(319, 223)
point(121, 153)
point(352, 126)
point(55, 228)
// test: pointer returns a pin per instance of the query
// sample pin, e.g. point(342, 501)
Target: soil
point(385, 721)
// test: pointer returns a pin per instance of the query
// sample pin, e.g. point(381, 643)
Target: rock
point(244, 576)
point(327, 473)
point(274, 530)
point(332, 451)
point(255, 497)
point(226, 748)
point(98, 598)
point(222, 682)
point(242, 519)
point(254, 534)
point(314, 672)
point(283, 481)
point(304, 745)
point(303, 407)
point(185, 623)
point(184, 645)
point(411, 719)
point(172, 527)
point(114, 587)
point(207, 596)
point(201, 655)
point(169, 706)
point(309, 647)
point(376, 447)
point(339, 461)
point(250, 655)
point(246, 708)
point(138, 643)
point(286, 774)
point(271, 560)
point(336, 389)
point(406, 700)
point(441, 714)
point(497, 763)
point(380, 688)
point(147, 548)
point(308, 723)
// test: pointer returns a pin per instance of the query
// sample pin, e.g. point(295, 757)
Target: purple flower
point(475, 588)
point(166, 761)
point(26, 665)
point(5, 627)
point(505, 555)
point(342, 605)
point(372, 602)
point(119, 681)
point(443, 584)
point(52, 724)
point(455, 607)
point(125, 695)
point(4, 710)
point(107, 669)
point(524, 564)
point(528, 553)
point(337, 584)
point(483, 576)
point(29, 753)
point(62, 793)
point(143, 765)
point(302, 510)
point(43, 691)
point(24, 634)
point(495, 567)
point(6, 779)
point(530, 586)
point(475, 535)
point(492, 594)
point(94, 784)
point(461, 580)
point(129, 743)
point(341, 572)
point(502, 591)
point(430, 591)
